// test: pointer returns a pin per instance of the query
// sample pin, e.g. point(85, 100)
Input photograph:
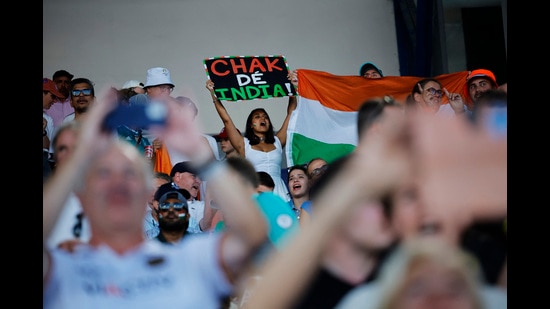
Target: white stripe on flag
point(312, 120)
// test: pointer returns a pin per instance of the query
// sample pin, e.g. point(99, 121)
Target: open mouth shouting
point(296, 187)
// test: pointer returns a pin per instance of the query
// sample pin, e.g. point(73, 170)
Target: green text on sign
point(249, 77)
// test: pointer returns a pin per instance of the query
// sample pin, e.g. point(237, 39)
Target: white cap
point(132, 84)
point(158, 76)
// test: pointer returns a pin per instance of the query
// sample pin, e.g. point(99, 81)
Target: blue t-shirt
point(306, 206)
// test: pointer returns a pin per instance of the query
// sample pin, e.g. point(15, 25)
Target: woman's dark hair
point(249, 133)
point(302, 167)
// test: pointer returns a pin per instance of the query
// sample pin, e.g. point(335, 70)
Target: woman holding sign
point(259, 144)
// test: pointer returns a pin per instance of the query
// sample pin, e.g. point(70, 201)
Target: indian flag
point(324, 123)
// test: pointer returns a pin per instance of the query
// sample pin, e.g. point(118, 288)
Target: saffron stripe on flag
point(324, 123)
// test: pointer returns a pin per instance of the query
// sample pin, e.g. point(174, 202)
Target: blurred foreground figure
point(118, 268)
point(427, 273)
point(460, 170)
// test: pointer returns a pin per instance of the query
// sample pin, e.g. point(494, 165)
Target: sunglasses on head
point(178, 206)
point(296, 166)
point(83, 91)
point(438, 93)
point(318, 170)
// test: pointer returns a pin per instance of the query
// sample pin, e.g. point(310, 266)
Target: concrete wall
point(111, 42)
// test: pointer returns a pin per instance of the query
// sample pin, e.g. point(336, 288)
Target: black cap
point(171, 190)
point(62, 73)
point(182, 167)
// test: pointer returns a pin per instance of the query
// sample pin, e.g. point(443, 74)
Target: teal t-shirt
point(281, 219)
point(132, 137)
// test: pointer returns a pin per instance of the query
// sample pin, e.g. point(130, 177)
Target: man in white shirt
point(186, 177)
point(118, 268)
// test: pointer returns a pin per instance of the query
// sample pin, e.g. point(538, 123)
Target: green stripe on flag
point(305, 149)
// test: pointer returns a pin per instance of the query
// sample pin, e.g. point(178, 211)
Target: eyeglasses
point(76, 93)
point(318, 171)
point(435, 92)
point(166, 206)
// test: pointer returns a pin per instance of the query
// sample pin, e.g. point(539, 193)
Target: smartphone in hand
point(137, 116)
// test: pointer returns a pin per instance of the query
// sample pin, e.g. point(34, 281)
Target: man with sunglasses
point(82, 97)
point(315, 169)
point(173, 213)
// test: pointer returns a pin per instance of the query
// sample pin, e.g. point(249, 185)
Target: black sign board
point(239, 78)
